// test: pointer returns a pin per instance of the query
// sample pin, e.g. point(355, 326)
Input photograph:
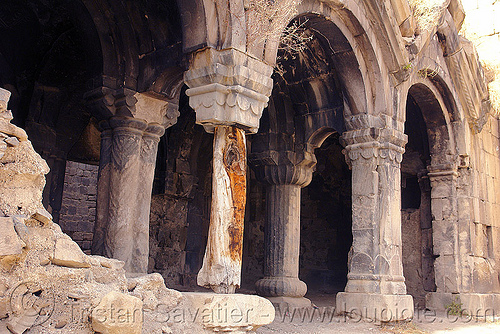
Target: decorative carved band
point(128, 103)
point(228, 87)
point(375, 150)
point(287, 167)
point(373, 143)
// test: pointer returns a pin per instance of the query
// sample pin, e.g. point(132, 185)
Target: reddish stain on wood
point(235, 165)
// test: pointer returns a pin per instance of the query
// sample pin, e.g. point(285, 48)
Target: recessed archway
point(326, 221)
point(429, 149)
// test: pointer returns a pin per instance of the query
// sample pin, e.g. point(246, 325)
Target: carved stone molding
point(228, 87)
point(147, 106)
point(273, 167)
point(373, 143)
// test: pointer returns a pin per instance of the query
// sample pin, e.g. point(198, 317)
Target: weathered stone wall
point(79, 203)
point(483, 181)
point(168, 233)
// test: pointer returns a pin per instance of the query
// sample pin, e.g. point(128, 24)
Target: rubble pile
point(47, 284)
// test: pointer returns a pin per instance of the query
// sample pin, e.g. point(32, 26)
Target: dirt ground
point(320, 319)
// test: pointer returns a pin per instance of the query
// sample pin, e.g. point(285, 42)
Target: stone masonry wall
point(483, 179)
point(79, 203)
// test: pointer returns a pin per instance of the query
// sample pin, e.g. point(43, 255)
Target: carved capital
point(124, 102)
point(374, 143)
point(154, 109)
point(228, 87)
point(273, 167)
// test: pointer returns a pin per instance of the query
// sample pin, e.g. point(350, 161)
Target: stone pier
point(129, 143)
point(375, 283)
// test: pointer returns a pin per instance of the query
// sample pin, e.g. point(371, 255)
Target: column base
point(280, 287)
point(473, 304)
point(285, 303)
point(376, 307)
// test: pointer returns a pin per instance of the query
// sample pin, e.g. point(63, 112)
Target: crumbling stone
point(68, 254)
point(12, 141)
point(42, 215)
point(10, 244)
point(152, 291)
point(19, 325)
point(118, 313)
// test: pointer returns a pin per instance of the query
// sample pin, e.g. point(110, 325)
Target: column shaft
point(102, 198)
point(375, 284)
point(282, 243)
point(445, 231)
point(148, 151)
point(221, 270)
point(124, 182)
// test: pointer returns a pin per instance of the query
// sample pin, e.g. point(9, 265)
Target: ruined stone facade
point(373, 155)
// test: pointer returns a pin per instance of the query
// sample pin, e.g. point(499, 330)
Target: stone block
point(446, 273)
point(441, 189)
point(118, 313)
point(444, 237)
point(67, 253)
point(10, 243)
point(152, 291)
point(42, 215)
point(229, 312)
point(476, 304)
point(376, 307)
point(438, 300)
point(483, 276)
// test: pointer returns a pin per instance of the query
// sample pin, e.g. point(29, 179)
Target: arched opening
point(428, 145)
point(51, 51)
point(326, 221)
point(298, 146)
point(55, 53)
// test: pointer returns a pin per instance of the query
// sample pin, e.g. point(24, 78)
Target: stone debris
point(107, 263)
point(230, 312)
point(10, 243)
point(12, 141)
point(3, 147)
point(42, 215)
point(118, 313)
point(19, 325)
point(152, 291)
point(67, 253)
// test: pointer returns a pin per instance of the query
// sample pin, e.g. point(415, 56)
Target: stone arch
point(307, 108)
point(364, 72)
point(134, 39)
point(435, 107)
point(428, 189)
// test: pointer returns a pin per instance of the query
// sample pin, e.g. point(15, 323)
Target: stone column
point(228, 90)
point(124, 180)
point(375, 284)
point(130, 133)
point(281, 282)
point(102, 198)
point(147, 164)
